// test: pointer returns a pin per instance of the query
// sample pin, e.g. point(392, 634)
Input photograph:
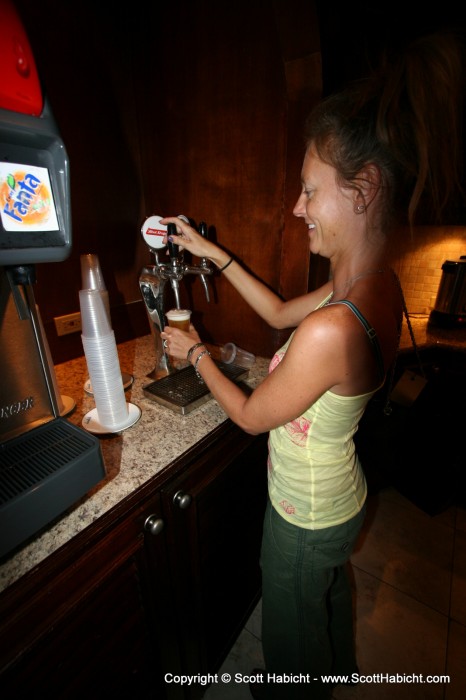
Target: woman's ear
point(368, 185)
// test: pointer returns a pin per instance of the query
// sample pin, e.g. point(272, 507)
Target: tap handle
point(203, 228)
point(172, 247)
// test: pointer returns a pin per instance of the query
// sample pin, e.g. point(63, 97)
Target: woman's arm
point(266, 303)
point(312, 364)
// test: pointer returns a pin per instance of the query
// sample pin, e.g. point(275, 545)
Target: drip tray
point(42, 473)
point(183, 391)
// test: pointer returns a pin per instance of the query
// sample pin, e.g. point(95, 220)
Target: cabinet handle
point(154, 525)
point(182, 500)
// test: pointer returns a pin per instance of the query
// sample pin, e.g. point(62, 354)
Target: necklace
point(357, 277)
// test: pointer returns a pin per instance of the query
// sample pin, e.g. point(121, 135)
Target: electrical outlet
point(71, 323)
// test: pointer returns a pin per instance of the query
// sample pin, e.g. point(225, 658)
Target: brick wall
point(418, 261)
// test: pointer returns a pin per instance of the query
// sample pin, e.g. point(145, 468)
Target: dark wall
point(170, 108)
point(195, 107)
point(354, 35)
point(85, 57)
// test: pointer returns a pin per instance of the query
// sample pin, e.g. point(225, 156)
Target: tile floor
point(409, 573)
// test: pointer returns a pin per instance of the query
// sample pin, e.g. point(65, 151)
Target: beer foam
point(178, 314)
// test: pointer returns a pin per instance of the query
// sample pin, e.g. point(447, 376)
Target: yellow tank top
point(315, 479)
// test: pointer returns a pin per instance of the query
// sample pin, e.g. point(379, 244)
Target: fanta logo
point(25, 198)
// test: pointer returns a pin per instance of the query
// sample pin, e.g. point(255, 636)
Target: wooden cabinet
point(161, 584)
point(86, 622)
point(215, 512)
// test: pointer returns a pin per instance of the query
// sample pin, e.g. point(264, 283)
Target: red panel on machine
point(20, 89)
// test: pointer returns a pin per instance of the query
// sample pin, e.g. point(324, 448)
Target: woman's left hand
point(177, 342)
point(187, 238)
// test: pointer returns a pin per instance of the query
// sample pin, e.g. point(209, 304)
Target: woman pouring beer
point(370, 155)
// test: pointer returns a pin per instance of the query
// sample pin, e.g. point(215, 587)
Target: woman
point(367, 148)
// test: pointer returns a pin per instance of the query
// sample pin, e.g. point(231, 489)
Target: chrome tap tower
point(153, 280)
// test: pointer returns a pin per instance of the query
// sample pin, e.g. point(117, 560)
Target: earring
point(359, 208)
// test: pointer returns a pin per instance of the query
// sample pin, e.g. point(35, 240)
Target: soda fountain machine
point(46, 462)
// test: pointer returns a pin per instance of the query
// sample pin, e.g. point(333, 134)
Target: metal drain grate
point(42, 473)
point(183, 391)
point(37, 455)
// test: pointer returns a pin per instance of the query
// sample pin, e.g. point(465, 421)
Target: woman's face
point(327, 209)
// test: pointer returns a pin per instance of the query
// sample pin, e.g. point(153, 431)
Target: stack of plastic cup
point(102, 361)
point(92, 278)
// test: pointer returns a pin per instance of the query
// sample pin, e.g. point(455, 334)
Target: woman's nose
point(299, 208)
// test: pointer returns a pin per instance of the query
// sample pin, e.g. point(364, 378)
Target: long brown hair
point(407, 119)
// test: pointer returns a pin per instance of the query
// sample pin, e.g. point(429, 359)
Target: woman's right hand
point(188, 238)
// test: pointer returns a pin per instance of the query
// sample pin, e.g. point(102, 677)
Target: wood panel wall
point(187, 107)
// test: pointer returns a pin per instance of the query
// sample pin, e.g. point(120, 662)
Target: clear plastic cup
point(107, 385)
point(95, 320)
point(91, 274)
point(179, 318)
point(231, 354)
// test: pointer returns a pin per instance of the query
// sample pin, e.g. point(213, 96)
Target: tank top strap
point(370, 332)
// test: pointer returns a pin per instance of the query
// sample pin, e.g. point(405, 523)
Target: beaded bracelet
point(226, 265)
point(192, 349)
point(199, 357)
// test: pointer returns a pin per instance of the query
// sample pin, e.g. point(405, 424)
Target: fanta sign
point(26, 198)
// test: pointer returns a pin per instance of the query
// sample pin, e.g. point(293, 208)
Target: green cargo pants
point(307, 611)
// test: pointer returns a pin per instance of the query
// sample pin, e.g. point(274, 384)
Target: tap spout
point(176, 291)
point(206, 286)
point(151, 285)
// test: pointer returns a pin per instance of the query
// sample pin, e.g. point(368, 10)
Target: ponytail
point(407, 119)
point(420, 120)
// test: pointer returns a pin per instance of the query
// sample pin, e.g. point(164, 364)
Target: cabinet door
point(89, 628)
point(214, 513)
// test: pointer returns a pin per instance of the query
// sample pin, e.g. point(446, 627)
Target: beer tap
point(204, 262)
point(153, 279)
point(175, 274)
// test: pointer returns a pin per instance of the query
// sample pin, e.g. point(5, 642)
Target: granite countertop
point(428, 336)
point(134, 456)
point(131, 458)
